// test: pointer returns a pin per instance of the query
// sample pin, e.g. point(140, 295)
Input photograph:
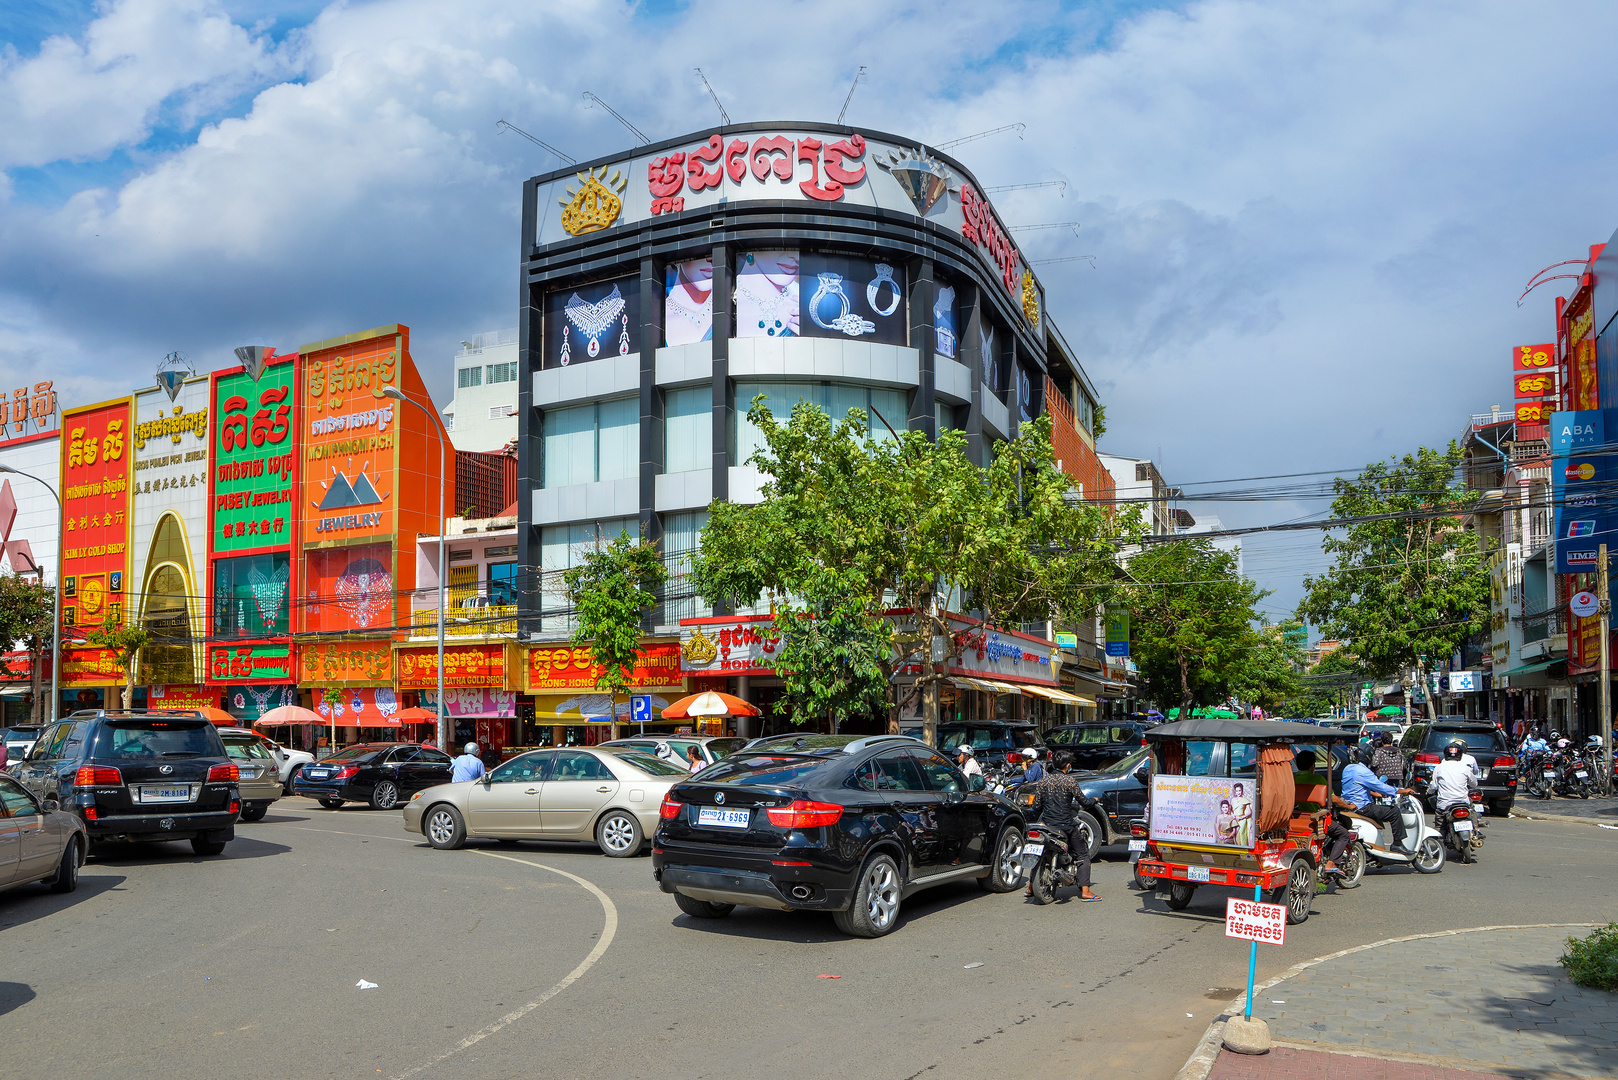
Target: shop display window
point(250, 597)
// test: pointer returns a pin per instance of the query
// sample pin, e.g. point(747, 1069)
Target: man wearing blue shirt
point(468, 766)
point(1359, 782)
point(1535, 744)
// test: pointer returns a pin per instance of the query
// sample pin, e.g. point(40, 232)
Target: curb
point(1611, 823)
point(1202, 1059)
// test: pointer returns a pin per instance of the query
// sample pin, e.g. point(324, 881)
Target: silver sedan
point(608, 797)
point(37, 841)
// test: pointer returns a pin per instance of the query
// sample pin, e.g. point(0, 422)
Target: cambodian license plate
point(150, 794)
point(1463, 826)
point(1581, 774)
point(316, 774)
point(1033, 849)
point(718, 818)
point(1137, 845)
point(1197, 873)
point(1550, 774)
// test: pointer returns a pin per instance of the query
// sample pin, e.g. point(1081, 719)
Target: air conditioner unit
point(500, 412)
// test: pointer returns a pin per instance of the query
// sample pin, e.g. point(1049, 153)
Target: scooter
point(1462, 827)
point(1422, 838)
point(1047, 861)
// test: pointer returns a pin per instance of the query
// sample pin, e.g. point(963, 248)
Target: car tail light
point(235, 807)
point(90, 813)
point(346, 772)
point(97, 776)
point(804, 815)
point(1503, 762)
point(1427, 759)
point(223, 774)
point(1477, 796)
point(670, 809)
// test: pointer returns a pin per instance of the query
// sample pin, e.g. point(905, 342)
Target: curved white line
point(607, 932)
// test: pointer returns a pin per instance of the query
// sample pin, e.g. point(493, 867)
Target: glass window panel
point(894, 405)
point(468, 376)
point(562, 547)
point(503, 583)
point(250, 596)
point(569, 447)
point(681, 533)
point(503, 373)
point(780, 397)
point(688, 429)
point(619, 439)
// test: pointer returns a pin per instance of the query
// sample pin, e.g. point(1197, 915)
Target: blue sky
point(1310, 222)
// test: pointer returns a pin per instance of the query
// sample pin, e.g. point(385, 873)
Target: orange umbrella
point(219, 717)
point(415, 716)
point(709, 703)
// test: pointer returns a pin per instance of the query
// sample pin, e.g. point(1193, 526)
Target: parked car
point(138, 776)
point(608, 796)
point(851, 825)
point(382, 774)
point(287, 760)
point(712, 747)
point(1394, 732)
point(38, 841)
point(1423, 748)
point(1097, 745)
point(20, 739)
point(991, 740)
point(1121, 791)
point(257, 772)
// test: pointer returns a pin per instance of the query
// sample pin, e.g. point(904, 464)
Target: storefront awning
point(1061, 697)
point(14, 691)
point(1527, 668)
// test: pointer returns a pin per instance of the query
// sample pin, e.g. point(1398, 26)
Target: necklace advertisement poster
point(589, 322)
point(788, 294)
point(688, 302)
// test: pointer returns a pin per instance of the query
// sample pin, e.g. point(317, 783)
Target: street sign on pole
point(640, 710)
point(1254, 921)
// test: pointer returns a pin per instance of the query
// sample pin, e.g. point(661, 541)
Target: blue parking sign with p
point(640, 709)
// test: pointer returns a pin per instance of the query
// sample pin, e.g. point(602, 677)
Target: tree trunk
point(1186, 700)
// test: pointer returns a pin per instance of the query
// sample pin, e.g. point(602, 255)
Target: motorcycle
point(1047, 861)
point(1422, 838)
point(1539, 774)
point(1462, 827)
point(1572, 775)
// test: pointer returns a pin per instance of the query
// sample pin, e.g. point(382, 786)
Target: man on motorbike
point(966, 762)
point(1535, 744)
point(1033, 772)
point(1053, 802)
point(1359, 783)
point(1453, 781)
point(1311, 783)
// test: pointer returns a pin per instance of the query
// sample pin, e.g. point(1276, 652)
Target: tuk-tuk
point(1225, 810)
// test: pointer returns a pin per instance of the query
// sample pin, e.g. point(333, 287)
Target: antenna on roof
point(1091, 259)
point(1074, 225)
point(633, 130)
point(537, 142)
point(1018, 128)
point(723, 115)
point(1061, 185)
point(857, 77)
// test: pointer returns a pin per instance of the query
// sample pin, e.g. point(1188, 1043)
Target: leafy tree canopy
point(611, 591)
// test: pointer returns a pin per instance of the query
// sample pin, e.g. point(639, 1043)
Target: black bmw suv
point(834, 823)
point(138, 776)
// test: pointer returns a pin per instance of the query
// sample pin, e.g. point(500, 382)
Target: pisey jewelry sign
point(254, 460)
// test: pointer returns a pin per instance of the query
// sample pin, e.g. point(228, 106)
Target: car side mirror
point(1143, 774)
point(51, 806)
point(975, 782)
point(485, 779)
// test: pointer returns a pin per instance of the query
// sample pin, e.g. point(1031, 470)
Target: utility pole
point(1605, 699)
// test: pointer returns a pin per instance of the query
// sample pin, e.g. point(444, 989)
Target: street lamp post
point(56, 591)
point(443, 723)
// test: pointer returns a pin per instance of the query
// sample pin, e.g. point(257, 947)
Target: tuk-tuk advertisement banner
point(1210, 810)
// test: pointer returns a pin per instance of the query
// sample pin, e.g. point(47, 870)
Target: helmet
point(1563, 744)
point(1595, 740)
point(1555, 735)
point(663, 749)
point(1363, 755)
point(1380, 738)
point(1453, 751)
point(470, 748)
point(1031, 754)
point(964, 748)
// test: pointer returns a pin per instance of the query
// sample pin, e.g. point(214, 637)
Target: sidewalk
point(1595, 809)
point(1458, 1006)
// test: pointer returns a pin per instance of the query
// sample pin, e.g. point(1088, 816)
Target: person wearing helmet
point(1033, 772)
point(468, 766)
point(1360, 785)
point(966, 762)
point(1453, 780)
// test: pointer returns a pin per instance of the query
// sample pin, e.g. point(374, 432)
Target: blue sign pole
point(1252, 961)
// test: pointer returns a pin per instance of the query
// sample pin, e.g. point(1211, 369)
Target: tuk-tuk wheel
point(1180, 896)
point(1298, 892)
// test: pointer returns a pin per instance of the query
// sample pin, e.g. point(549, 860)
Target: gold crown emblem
point(594, 206)
point(700, 649)
point(1030, 298)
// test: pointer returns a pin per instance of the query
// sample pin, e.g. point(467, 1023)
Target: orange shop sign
point(349, 441)
point(346, 663)
point(573, 667)
point(1535, 412)
point(469, 666)
point(96, 463)
point(1533, 384)
point(91, 667)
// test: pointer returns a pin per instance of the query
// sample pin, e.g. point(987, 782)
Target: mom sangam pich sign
point(1209, 810)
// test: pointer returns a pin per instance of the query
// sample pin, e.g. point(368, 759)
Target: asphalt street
point(551, 960)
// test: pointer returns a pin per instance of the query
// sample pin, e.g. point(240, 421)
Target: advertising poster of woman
point(767, 294)
point(944, 321)
point(688, 307)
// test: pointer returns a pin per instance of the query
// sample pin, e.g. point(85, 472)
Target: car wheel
point(1180, 896)
point(1298, 892)
point(702, 909)
point(444, 828)
point(67, 875)
point(1429, 856)
point(1352, 865)
point(292, 778)
point(1091, 830)
point(385, 796)
point(254, 813)
point(331, 804)
point(1142, 884)
point(206, 847)
point(875, 910)
point(1043, 883)
point(1005, 873)
point(618, 834)
point(1500, 809)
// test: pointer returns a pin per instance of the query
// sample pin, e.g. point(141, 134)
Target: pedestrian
point(693, 758)
point(468, 766)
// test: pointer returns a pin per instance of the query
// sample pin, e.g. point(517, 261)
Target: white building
point(1138, 483)
point(1203, 522)
point(483, 414)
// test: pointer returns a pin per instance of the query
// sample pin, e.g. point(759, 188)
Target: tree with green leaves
point(611, 591)
point(852, 526)
point(1191, 624)
point(1268, 677)
point(27, 617)
point(1407, 584)
point(1333, 682)
point(125, 642)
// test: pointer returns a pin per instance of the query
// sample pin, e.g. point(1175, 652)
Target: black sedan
point(1119, 793)
point(382, 774)
point(842, 824)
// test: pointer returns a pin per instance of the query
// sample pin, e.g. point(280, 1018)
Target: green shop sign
point(250, 499)
point(247, 663)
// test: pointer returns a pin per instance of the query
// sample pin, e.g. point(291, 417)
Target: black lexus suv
point(138, 776)
point(832, 823)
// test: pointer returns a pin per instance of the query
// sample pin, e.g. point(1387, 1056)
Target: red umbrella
point(709, 703)
point(415, 716)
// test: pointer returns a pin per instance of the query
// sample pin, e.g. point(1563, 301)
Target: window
point(681, 533)
point(1143, 471)
point(561, 548)
point(833, 399)
point(1243, 759)
point(241, 748)
point(890, 772)
point(528, 768)
point(250, 596)
point(18, 803)
point(940, 774)
point(688, 429)
point(463, 586)
point(591, 443)
point(431, 756)
point(503, 584)
point(1199, 759)
point(501, 373)
point(468, 376)
point(579, 766)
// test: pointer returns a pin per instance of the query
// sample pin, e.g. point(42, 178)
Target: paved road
point(165, 965)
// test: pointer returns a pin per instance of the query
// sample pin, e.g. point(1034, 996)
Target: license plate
point(317, 774)
point(1463, 826)
point(1137, 845)
point(165, 794)
point(1550, 774)
point(1197, 873)
point(1581, 774)
point(1033, 849)
point(715, 817)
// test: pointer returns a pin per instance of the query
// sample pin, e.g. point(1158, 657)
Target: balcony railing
point(474, 616)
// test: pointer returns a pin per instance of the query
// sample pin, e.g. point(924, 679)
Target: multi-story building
point(667, 287)
point(1203, 522)
point(1137, 482)
point(483, 414)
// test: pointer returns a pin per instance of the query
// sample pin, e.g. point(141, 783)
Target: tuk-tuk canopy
point(1247, 730)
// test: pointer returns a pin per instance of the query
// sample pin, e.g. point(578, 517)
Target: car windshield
point(761, 768)
point(244, 747)
point(158, 738)
point(1127, 764)
point(807, 742)
point(721, 747)
point(1475, 739)
point(646, 763)
point(994, 739)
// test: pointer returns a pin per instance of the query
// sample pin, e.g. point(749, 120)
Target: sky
point(1310, 223)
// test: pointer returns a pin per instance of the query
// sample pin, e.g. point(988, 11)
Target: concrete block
point(1243, 1036)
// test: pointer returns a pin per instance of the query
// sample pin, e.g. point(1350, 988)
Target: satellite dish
point(253, 358)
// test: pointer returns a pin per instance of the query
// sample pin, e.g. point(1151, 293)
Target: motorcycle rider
point(1386, 759)
point(966, 762)
point(1053, 802)
point(1453, 782)
point(1535, 743)
point(1033, 772)
point(1359, 783)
